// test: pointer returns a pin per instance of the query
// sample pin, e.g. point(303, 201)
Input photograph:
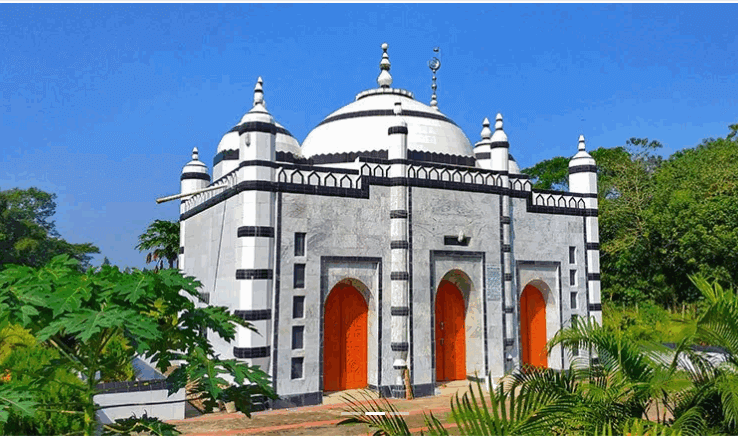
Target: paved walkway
point(321, 419)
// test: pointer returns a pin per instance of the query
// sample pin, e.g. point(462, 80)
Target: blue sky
point(102, 104)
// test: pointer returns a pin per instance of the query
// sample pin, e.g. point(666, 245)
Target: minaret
point(583, 180)
point(253, 234)
point(399, 272)
point(194, 177)
point(482, 148)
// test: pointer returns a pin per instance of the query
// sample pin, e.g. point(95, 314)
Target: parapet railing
point(228, 181)
point(562, 200)
point(338, 177)
point(327, 177)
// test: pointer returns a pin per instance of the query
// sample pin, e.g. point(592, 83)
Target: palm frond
point(389, 423)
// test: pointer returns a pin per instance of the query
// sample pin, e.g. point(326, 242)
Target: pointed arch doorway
point(533, 328)
point(450, 333)
point(345, 340)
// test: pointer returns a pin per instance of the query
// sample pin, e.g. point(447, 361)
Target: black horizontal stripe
point(399, 346)
point(385, 113)
point(255, 126)
point(481, 156)
point(254, 315)
point(509, 309)
point(256, 231)
point(507, 277)
point(398, 214)
point(196, 176)
point(181, 250)
point(504, 220)
point(399, 244)
point(499, 144)
point(593, 276)
point(394, 130)
point(225, 155)
point(583, 169)
point(595, 307)
point(399, 275)
point(509, 342)
point(400, 311)
point(506, 248)
point(278, 129)
point(251, 352)
point(593, 245)
point(254, 274)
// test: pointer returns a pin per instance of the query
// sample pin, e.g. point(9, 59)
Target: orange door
point(450, 333)
point(345, 340)
point(533, 327)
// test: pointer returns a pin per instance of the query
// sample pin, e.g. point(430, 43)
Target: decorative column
point(583, 180)
point(499, 151)
point(254, 236)
point(399, 275)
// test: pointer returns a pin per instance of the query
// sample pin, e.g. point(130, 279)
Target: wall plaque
point(494, 283)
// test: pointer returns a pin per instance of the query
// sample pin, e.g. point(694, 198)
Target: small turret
point(582, 171)
point(194, 175)
point(481, 148)
point(499, 147)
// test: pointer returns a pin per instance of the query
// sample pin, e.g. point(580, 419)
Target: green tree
point(550, 174)
point(28, 236)
point(79, 313)
point(162, 237)
point(693, 217)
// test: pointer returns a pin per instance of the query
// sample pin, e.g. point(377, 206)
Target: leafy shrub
point(61, 394)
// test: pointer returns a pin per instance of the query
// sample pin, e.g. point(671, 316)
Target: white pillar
point(399, 271)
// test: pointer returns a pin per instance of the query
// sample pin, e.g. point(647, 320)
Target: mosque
point(386, 242)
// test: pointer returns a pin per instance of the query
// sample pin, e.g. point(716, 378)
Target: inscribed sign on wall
point(494, 283)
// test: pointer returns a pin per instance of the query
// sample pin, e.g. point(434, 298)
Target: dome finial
point(259, 92)
point(486, 132)
point(581, 143)
point(434, 64)
point(195, 154)
point(498, 122)
point(384, 80)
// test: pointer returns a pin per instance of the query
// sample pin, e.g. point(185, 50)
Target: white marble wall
point(337, 227)
point(546, 238)
point(439, 213)
point(351, 227)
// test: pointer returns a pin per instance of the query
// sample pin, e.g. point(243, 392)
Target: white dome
point(362, 126)
point(513, 167)
point(285, 141)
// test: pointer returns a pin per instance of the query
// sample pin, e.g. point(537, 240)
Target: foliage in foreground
point(78, 314)
point(613, 392)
